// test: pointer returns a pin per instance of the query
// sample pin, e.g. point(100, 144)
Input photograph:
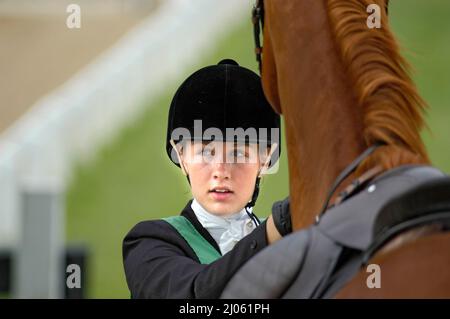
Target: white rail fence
point(73, 121)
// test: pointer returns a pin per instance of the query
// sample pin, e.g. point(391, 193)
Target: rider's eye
point(207, 152)
point(239, 153)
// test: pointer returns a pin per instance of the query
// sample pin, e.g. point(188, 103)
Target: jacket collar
point(190, 215)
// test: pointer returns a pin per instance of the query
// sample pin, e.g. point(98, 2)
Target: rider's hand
point(271, 231)
point(282, 216)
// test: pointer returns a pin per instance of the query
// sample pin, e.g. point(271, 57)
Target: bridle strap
point(357, 184)
point(258, 25)
point(344, 174)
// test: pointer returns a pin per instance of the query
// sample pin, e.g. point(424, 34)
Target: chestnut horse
point(342, 87)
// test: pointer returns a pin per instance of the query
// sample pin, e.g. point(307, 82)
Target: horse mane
point(392, 108)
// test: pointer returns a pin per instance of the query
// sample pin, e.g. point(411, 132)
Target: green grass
point(132, 179)
point(423, 30)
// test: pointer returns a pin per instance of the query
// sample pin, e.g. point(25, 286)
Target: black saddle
point(425, 204)
point(318, 261)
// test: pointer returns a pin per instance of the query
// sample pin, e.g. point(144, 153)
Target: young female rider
point(223, 135)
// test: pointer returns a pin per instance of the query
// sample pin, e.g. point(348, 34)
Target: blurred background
point(83, 115)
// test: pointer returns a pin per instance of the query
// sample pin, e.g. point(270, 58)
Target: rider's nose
point(221, 171)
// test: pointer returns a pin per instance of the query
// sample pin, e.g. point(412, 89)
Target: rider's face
point(222, 174)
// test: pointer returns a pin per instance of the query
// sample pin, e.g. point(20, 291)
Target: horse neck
point(323, 128)
point(324, 122)
point(323, 135)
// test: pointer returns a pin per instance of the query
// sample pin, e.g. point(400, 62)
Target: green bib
point(205, 252)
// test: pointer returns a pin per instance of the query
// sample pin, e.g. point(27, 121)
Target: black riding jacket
point(159, 263)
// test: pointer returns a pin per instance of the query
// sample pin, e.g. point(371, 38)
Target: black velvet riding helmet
point(223, 96)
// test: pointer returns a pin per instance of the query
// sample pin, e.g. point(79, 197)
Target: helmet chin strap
point(252, 202)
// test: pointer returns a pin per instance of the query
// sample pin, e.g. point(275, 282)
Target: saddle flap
point(425, 199)
point(427, 204)
point(352, 223)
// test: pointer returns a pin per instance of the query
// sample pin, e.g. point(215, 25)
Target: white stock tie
point(226, 231)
